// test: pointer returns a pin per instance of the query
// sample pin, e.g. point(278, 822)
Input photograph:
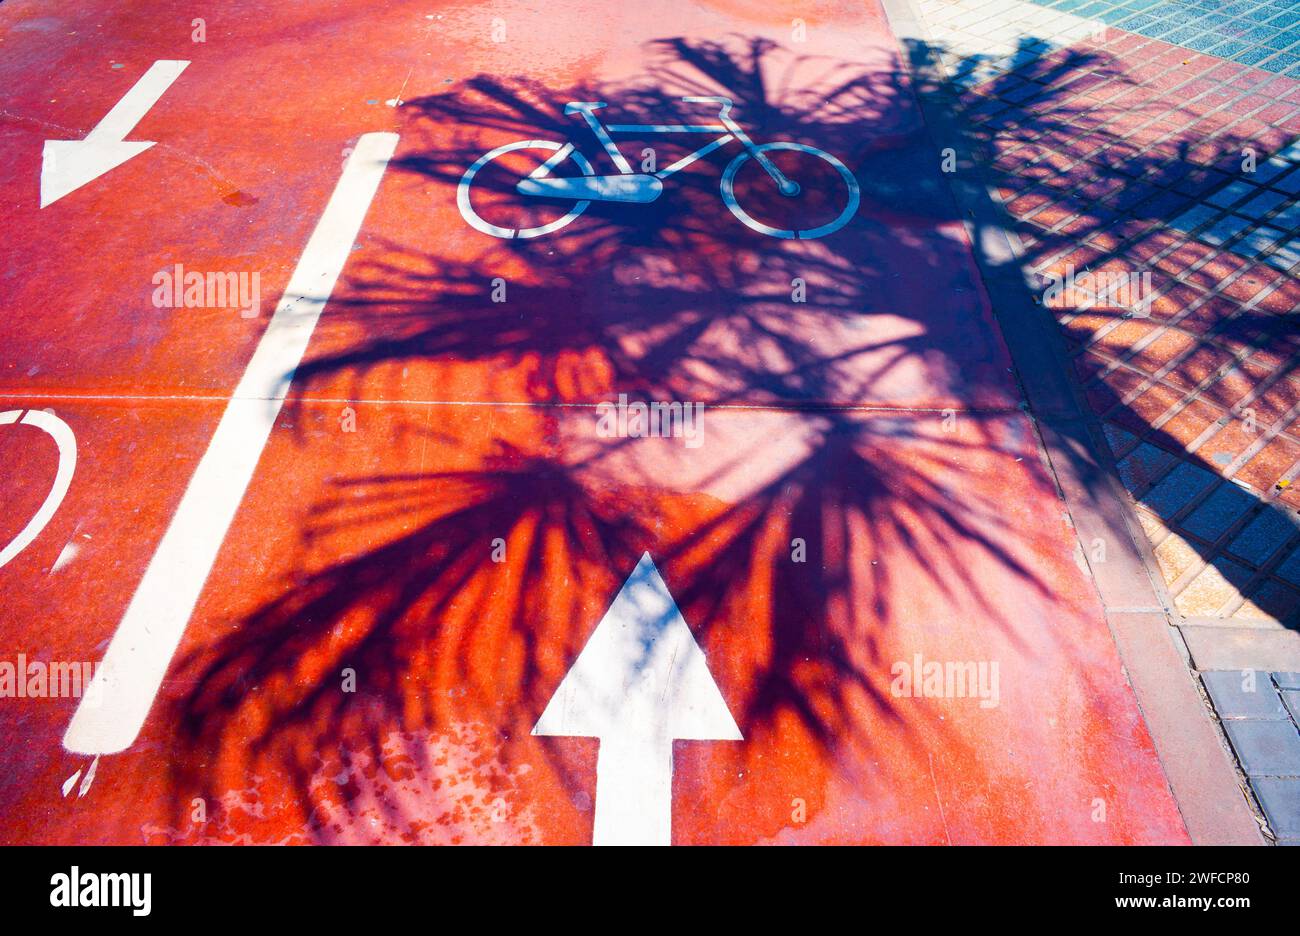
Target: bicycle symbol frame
point(633, 187)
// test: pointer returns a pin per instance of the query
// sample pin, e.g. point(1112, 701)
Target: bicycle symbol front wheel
point(729, 193)
point(479, 224)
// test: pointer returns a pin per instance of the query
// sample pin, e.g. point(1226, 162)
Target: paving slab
point(1237, 648)
point(1291, 698)
point(1280, 799)
point(1265, 748)
point(1243, 695)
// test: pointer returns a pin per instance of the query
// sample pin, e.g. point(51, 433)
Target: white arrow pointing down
point(640, 683)
point(67, 165)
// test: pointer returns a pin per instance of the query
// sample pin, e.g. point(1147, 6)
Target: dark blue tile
point(1280, 800)
point(1160, 29)
point(1230, 49)
point(1238, 694)
point(1137, 22)
point(1254, 55)
point(1181, 36)
point(1265, 748)
point(1290, 568)
point(1264, 535)
point(1260, 34)
point(1219, 511)
point(1283, 60)
point(1224, 230)
point(1177, 489)
point(1142, 464)
point(1281, 39)
point(1291, 699)
point(1203, 42)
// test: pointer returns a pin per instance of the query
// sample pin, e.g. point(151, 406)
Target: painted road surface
point(451, 583)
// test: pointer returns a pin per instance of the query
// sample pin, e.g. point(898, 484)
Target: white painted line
point(640, 683)
point(137, 102)
point(132, 672)
point(67, 165)
point(62, 435)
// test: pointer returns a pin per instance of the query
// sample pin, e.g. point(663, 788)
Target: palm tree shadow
point(1116, 217)
point(664, 303)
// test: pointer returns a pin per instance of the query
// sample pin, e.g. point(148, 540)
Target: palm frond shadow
point(665, 303)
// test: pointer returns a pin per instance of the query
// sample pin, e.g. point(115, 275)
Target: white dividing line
point(132, 672)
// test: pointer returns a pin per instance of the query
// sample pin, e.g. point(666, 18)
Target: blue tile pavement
point(1289, 568)
point(1263, 536)
point(1219, 511)
point(1261, 33)
point(1177, 489)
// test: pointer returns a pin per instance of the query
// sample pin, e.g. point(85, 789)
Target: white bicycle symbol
point(62, 435)
point(641, 188)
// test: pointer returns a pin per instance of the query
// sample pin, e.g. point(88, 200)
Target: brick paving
point(1122, 153)
point(1161, 137)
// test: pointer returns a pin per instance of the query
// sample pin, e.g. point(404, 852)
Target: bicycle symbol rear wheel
point(729, 194)
point(479, 224)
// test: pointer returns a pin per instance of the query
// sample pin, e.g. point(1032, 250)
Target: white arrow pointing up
point(640, 683)
point(67, 165)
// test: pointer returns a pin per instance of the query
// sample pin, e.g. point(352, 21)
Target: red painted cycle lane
point(440, 521)
point(246, 155)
